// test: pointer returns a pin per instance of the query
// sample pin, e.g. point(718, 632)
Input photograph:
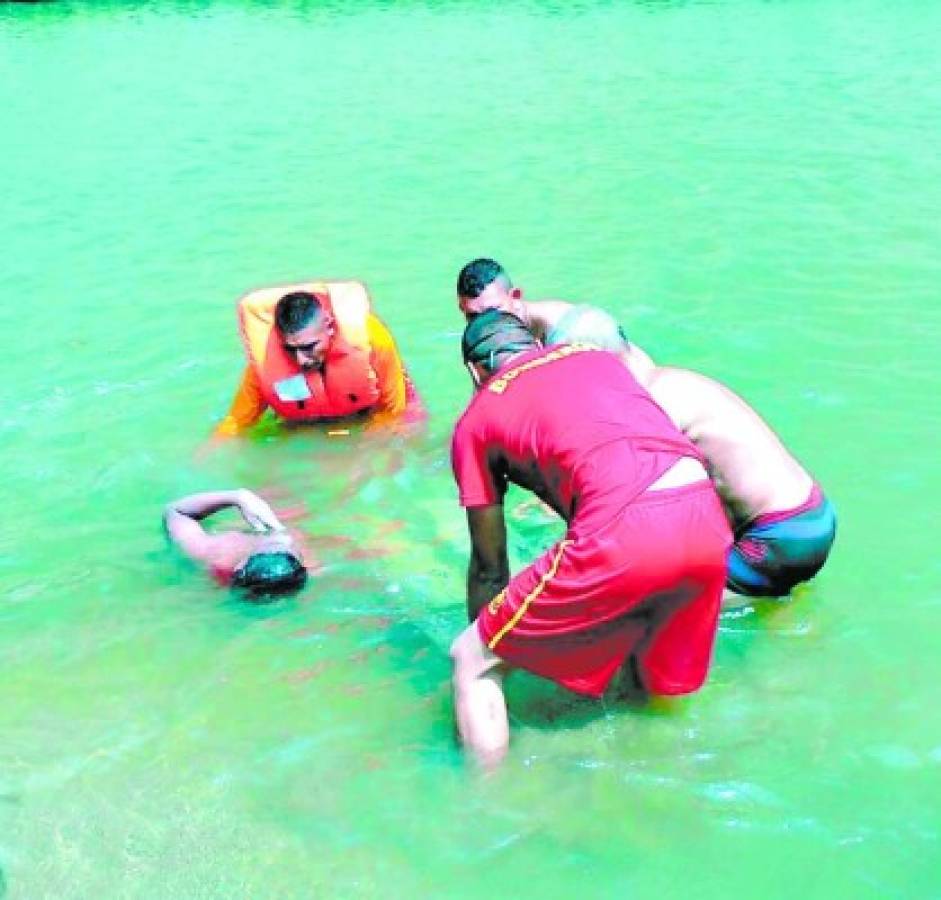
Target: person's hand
point(257, 513)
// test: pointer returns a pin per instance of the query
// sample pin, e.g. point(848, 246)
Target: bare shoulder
point(683, 390)
point(191, 539)
point(547, 313)
point(641, 366)
point(675, 378)
point(697, 393)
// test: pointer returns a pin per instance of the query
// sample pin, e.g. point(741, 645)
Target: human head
point(484, 284)
point(269, 573)
point(588, 325)
point(306, 328)
point(491, 340)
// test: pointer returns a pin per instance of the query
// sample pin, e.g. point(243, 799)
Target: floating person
point(484, 284)
point(267, 562)
point(317, 352)
point(638, 577)
point(784, 526)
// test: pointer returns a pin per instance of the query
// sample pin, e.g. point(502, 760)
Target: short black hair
point(296, 310)
point(265, 575)
point(493, 335)
point(477, 275)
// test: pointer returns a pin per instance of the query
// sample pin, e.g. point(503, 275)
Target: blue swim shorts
point(777, 551)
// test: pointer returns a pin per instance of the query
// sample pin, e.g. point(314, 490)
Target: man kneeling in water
point(265, 563)
point(784, 526)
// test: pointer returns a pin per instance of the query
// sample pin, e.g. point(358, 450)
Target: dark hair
point(296, 310)
point(491, 336)
point(476, 275)
point(269, 574)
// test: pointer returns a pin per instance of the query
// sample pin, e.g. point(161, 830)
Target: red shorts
point(649, 583)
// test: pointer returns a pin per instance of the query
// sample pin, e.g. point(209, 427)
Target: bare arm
point(489, 568)
point(541, 316)
point(640, 365)
point(681, 394)
point(182, 518)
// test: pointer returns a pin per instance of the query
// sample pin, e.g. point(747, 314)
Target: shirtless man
point(784, 526)
point(266, 562)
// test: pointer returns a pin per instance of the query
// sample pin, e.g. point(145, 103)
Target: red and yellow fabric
point(648, 584)
point(640, 573)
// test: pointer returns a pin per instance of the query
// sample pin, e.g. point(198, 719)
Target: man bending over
point(784, 526)
point(639, 574)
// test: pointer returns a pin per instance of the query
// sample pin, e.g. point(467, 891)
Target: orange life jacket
point(348, 383)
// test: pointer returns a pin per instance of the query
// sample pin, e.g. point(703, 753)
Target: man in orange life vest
point(317, 352)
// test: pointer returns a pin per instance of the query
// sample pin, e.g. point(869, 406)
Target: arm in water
point(246, 409)
point(489, 569)
point(398, 399)
point(182, 517)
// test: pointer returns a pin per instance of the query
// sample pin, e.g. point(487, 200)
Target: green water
point(753, 187)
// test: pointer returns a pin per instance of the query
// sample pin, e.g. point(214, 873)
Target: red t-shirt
point(571, 424)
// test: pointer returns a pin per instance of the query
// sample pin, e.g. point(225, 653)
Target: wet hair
point(296, 310)
point(493, 335)
point(265, 575)
point(477, 275)
point(588, 325)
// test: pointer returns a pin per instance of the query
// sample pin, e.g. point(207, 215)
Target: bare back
point(752, 470)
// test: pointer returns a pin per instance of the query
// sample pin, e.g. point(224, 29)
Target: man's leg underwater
point(479, 704)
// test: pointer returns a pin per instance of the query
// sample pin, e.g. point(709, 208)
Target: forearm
point(483, 586)
point(198, 506)
point(247, 406)
point(181, 518)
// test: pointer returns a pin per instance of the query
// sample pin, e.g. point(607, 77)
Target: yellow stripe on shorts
point(532, 595)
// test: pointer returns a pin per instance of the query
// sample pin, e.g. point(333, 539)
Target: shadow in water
point(763, 618)
point(423, 662)
point(537, 703)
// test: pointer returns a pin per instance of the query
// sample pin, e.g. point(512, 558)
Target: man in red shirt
point(640, 572)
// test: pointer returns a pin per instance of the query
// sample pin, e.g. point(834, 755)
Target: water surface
point(754, 188)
